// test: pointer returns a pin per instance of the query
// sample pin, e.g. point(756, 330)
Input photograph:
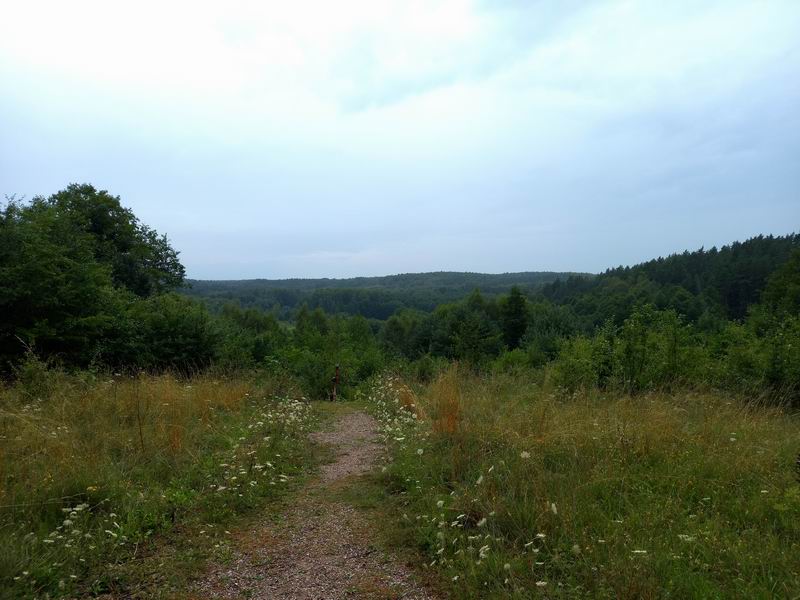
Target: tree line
point(85, 285)
point(371, 297)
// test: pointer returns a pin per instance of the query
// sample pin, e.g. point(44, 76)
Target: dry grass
point(139, 454)
point(52, 446)
point(444, 401)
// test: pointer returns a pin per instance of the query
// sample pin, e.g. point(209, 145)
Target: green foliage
point(97, 478)
point(53, 294)
point(247, 338)
point(706, 284)
point(371, 297)
point(601, 496)
point(514, 317)
point(548, 325)
point(576, 368)
point(83, 283)
point(427, 367)
point(140, 260)
point(510, 361)
point(70, 266)
point(172, 332)
point(782, 293)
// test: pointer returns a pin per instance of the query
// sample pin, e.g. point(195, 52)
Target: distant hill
point(372, 297)
point(703, 285)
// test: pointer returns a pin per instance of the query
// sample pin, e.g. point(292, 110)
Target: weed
point(511, 491)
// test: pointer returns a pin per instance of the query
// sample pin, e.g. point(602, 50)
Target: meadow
point(125, 484)
point(512, 488)
point(630, 434)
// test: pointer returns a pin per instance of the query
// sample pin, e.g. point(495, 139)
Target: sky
point(335, 139)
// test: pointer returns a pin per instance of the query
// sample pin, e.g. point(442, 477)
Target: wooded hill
point(705, 286)
point(371, 297)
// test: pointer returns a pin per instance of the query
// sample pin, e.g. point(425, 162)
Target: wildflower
point(541, 536)
point(420, 451)
point(507, 567)
point(541, 583)
point(525, 454)
point(440, 503)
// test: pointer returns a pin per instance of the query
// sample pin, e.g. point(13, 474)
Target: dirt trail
point(321, 548)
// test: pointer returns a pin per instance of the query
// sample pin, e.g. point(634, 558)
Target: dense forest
point(705, 286)
point(371, 297)
point(84, 284)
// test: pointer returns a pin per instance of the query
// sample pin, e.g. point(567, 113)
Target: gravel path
point(322, 548)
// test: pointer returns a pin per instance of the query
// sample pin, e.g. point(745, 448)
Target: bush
point(576, 368)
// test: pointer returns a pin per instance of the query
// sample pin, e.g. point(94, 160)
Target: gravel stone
point(320, 548)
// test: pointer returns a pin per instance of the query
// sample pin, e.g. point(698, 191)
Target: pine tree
point(514, 318)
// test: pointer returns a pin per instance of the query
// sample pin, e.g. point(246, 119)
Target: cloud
point(363, 137)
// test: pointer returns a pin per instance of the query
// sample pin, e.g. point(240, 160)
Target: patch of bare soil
point(321, 548)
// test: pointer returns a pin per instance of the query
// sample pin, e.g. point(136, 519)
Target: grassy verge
point(510, 491)
point(126, 485)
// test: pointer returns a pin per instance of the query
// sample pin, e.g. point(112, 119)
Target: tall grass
point(512, 490)
point(91, 470)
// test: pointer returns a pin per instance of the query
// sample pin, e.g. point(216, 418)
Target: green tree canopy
point(70, 264)
point(140, 259)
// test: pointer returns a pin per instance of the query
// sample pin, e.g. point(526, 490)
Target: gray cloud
point(406, 136)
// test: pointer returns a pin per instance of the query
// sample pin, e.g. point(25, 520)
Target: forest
point(118, 373)
point(370, 297)
point(86, 285)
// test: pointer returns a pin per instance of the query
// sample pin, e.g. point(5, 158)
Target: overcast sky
point(279, 139)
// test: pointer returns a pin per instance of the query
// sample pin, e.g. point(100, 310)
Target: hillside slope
point(372, 297)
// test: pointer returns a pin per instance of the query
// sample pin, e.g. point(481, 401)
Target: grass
point(510, 490)
point(126, 485)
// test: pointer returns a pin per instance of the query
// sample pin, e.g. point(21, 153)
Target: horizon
point(392, 275)
point(441, 271)
point(302, 141)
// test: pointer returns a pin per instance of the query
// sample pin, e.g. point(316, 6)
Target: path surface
point(321, 548)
